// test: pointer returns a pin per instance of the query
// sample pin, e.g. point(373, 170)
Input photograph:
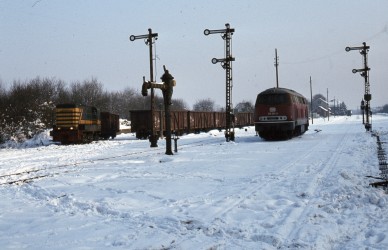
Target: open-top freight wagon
point(183, 121)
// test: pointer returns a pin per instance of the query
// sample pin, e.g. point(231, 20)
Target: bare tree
point(121, 102)
point(179, 104)
point(3, 115)
point(27, 107)
point(204, 105)
point(384, 109)
point(89, 92)
point(2, 89)
point(244, 106)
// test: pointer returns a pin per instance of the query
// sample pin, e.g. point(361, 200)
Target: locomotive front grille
point(69, 117)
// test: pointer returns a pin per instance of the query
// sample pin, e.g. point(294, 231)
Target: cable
point(156, 69)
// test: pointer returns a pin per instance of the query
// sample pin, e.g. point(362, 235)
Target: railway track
point(257, 186)
point(257, 183)
point(320, 174)
point(28, 175)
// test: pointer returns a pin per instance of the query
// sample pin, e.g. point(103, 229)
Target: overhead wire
point(384, 30)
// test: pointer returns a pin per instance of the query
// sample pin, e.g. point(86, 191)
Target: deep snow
point(310, 192)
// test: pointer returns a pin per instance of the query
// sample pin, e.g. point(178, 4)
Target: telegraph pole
point(328, 105)
point(365, 103)
point(276, 66)
point(149, 40)
point(311, 104)
point(226, 63)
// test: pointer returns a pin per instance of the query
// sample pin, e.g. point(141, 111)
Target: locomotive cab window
point(95, 114)
point(86, 114)
point(272, 99)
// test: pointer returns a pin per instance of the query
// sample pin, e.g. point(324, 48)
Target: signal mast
point(226, 63)
point(276, 66)
point(365, 103)
point(150, 39)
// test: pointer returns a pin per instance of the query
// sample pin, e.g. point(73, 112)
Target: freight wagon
point(183, 121)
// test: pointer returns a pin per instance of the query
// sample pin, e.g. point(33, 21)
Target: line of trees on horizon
point(26, 108)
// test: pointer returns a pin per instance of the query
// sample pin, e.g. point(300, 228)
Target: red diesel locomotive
point(281, 113)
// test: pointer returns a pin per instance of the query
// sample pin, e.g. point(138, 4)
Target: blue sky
point(76, 40)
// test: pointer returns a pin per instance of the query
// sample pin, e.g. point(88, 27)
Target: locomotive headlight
point(71, 128)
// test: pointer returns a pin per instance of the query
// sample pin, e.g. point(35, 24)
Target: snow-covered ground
point(310, 192)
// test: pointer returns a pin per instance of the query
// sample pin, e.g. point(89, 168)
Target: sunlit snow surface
point(310, 192)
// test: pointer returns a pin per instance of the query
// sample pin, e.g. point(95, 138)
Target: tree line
point(384, 109)
point(26, 108)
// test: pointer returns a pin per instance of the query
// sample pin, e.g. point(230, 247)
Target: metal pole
point(154, 137)
point(149, 40)
point(311, 104)
point(276, 66)
point(367, 87)
point(362, 111)
point(365, 103)
point(328, 106)
point(167, 115)
point(176, 138)
point(227, 65)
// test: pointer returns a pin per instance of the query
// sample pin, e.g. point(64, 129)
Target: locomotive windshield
point(272, 99)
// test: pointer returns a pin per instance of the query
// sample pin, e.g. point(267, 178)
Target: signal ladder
point(383, 166)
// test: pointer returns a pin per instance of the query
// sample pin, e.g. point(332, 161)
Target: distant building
point(322, 111)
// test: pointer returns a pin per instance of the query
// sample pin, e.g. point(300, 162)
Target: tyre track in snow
point(317, 177)
point(257, 183)
point(222, 208)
